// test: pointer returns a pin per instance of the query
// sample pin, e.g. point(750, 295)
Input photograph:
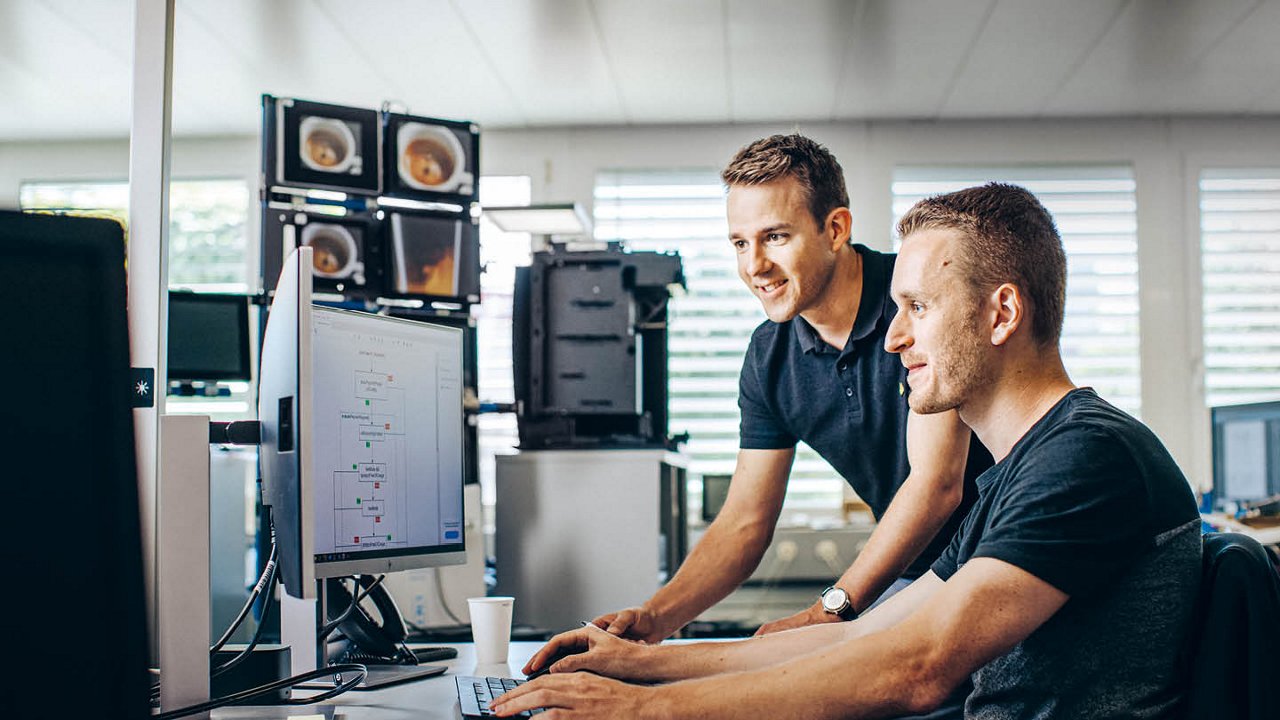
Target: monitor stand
point(380, 676)
point(382, 672)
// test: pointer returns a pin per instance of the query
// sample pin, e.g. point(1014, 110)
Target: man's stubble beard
point(957, 374)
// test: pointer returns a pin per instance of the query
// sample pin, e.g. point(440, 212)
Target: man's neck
point(1016, 401)
point(833, 315)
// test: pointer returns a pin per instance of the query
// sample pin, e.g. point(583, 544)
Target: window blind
point(1240, 273)
point(1096, 213)
point(500, 254)
point(709, 326)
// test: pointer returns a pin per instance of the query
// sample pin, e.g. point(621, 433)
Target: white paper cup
point(491, 627)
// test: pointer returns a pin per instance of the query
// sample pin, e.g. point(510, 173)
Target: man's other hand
point(593, 649)
point(812, 615)
point(637, 623)
point(579, 695)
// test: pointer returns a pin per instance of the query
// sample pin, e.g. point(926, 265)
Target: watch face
point(834, 600)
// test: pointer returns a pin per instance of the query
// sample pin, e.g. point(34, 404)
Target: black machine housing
point(590, 347)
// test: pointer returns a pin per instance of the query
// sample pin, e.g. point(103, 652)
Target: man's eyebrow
point(775, 228)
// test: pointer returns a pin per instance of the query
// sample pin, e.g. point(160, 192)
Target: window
point(501, 253)
point(208, 226)
point(710, 326)
point(1240, 273)
point(1096, 213)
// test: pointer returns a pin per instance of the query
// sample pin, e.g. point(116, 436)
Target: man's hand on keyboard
point(593, 649)
point(579, 696)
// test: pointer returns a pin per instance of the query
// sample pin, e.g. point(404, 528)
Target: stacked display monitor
point(385, 200)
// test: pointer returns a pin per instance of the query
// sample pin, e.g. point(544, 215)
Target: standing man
point(816, 371)
point(1068, 592)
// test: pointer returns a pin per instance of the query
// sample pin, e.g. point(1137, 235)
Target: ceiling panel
point(549, 54)
point(66, 68)
point(903, 57)
point(666, 71)
point(785, 58)
point(428, 60)
point(1141, 66)
point(293, 48)
point(65, 65)
point(1240, 71)
point(1027, 50)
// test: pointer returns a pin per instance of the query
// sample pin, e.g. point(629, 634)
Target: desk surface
point(435, 698)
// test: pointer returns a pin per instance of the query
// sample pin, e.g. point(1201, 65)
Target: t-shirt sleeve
point(1073, 515)
point(759, 428)
point(945, 566)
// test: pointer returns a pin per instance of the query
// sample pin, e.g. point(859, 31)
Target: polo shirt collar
point(875, 286)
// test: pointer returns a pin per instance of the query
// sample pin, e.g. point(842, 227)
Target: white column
point(182, 567)
point(149, 248)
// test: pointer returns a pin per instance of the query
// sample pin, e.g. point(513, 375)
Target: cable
point(257, 632)
point(444, 604)
point(267, 570)
point(332, 625)
point(333, 670)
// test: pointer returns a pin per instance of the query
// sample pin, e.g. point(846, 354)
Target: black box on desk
point(266, 664)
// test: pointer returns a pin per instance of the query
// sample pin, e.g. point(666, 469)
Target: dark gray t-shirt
point(1089, 501)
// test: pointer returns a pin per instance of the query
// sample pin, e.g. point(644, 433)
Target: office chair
point(1235, 652)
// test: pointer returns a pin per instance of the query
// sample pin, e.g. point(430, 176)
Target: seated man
point(1066, 593)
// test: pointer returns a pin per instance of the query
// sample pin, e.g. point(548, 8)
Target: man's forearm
point(882, 676)
point(717, 565)
point(914, 517)
point(680, 661)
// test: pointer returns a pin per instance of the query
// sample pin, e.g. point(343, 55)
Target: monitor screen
point(386, 442)
point(208, 337)
point(1246, 452)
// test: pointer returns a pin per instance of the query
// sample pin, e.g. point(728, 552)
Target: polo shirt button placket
point(848, 392)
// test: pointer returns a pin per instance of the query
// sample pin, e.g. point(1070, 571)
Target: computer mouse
point(547, 668)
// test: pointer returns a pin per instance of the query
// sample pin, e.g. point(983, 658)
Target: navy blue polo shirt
point(849, 405)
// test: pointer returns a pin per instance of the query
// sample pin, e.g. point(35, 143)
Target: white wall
point(1166, 155)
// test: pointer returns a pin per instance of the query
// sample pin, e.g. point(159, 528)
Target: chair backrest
point(1234, 660)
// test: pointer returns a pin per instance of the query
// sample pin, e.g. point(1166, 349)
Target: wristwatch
point(835, 601)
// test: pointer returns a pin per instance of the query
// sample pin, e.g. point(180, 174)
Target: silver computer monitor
point(365, 472)
point(1246, 452)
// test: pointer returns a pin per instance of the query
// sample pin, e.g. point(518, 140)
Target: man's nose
point(757, 260)
point(897, 339)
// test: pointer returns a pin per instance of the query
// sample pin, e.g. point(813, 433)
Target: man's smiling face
point(783, 256)
point(938, 330)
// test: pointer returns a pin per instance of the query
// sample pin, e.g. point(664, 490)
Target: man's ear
point(839, 226)
point(1011, 312)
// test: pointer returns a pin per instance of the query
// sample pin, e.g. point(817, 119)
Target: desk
point(431, 699)
point(1264, 535)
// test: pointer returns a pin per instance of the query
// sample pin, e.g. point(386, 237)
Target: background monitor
point(74, 530)
point(208, 337)
point(1246, 452)
point(362, 431)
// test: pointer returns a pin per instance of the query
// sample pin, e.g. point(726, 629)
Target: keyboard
point(475, 694)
